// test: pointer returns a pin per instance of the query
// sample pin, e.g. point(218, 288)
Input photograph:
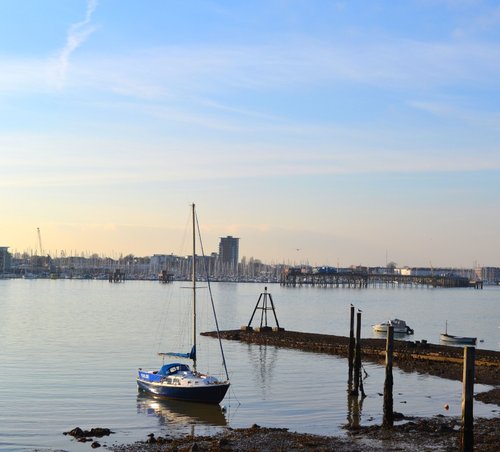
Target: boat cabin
point(173, 368)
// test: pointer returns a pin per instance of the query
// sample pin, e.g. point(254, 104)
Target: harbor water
point(70, 350)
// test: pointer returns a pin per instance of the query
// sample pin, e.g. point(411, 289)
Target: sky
point(317, 131)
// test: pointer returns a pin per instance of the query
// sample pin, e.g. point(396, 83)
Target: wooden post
point(388, 420)
point(357, 356)
point(351, 348)
point(467, 431)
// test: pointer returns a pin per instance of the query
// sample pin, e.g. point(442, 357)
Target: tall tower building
point(5, 259)
point(229, 251)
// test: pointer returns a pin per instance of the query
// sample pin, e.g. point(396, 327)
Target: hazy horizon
point(328, 132)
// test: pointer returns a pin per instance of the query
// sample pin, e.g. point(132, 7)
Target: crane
point(40, 241)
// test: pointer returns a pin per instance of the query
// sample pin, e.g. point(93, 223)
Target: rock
point(100, 432)
point(77, 432)
point(86, 435)
point(83, 439)
point(95, 445)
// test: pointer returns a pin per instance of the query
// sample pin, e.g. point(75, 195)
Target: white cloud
point(77, 34)
point(204, 71)
point(468, 116)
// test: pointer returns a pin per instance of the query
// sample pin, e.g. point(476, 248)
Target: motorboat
point(399, 325)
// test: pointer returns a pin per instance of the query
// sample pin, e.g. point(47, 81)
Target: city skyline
point(332, 133)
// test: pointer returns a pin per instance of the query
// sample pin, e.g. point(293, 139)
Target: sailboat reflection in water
point(176, 412)
point(177, 380)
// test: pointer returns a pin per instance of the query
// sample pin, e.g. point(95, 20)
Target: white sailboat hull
point(457, 339)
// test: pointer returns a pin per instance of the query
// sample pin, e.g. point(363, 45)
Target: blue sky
point(328, 132)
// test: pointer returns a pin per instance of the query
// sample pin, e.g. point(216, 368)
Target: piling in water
point(467, 431)
point(388, 420)
point(357, 355)
point(351, 349)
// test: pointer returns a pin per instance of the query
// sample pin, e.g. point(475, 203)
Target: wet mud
point(434, 434)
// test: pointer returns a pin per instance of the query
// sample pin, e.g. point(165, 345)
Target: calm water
point(70, 350)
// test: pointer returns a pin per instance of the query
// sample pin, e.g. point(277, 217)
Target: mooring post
point(388, 420)
point(467, 431)
point(357, 355)
point(351, 348)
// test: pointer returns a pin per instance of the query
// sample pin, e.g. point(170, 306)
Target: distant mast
point(40, 241)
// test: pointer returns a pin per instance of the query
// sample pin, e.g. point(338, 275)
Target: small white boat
point(458, 339)
point(399, 325)
point(466, 340)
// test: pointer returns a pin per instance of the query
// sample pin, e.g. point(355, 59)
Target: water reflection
point(180, 413)
point(354, 410)
point(263, 359)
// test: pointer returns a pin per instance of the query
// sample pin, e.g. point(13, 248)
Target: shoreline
point(436, 433)
point(408, 434)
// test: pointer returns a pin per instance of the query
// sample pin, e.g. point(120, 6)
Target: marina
point(72, 330)
point(341, 289)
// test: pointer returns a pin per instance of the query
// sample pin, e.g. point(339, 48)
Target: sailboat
point(177, 380)
point(448, 338)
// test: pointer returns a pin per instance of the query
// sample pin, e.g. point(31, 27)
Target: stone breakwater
point(434, 359)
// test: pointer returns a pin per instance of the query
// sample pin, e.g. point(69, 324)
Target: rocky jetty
point(419, 356)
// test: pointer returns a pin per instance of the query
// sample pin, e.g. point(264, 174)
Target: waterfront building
point(490, 275)
point(229, 253)
point(5, 259)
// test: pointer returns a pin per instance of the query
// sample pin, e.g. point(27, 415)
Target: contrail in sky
point(77, 34)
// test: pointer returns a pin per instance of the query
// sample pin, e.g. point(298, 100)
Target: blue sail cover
point(190, 355)
point(166, 370)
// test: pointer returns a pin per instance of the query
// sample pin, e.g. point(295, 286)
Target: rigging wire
point(168, 311)
point(211, 297)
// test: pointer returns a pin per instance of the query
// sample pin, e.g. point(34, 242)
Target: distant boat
point(458, 339)
point(465, 340)
point(177, 380)
point(399, 325)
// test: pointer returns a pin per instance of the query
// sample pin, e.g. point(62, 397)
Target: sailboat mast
point(194, 287)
